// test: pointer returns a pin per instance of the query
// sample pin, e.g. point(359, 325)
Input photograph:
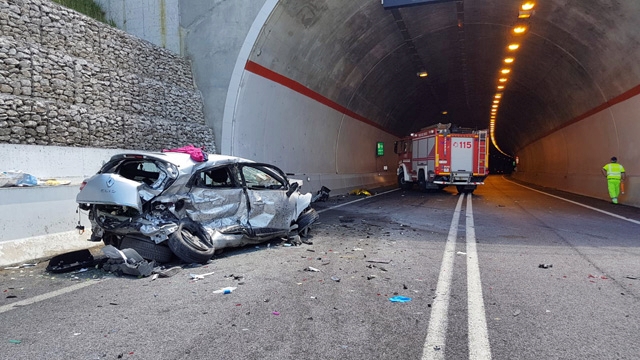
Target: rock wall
point(68, 80)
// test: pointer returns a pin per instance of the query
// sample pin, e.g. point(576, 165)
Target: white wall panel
point(571, 158)
point(275, 124)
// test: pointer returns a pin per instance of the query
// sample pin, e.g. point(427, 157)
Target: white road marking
point(434, 346)
point(479, 348)
point(577, 203)
point(46, 296)
point(354, 201)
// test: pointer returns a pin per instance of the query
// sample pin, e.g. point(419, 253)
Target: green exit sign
point(380, 148)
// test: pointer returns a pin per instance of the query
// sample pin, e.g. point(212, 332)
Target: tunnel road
point(509, 272)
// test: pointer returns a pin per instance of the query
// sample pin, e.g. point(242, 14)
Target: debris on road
point(379, 261)
point(126, 261)
point(199, 276)
point(225, 290)
point(364, 192)
point(312, 269)
point(167, 272)
point(335, 278)
point(321, 195)
point(400, 299)
point(545, 266)
point(75, 260)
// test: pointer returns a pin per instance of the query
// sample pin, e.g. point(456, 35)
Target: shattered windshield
point(150, 172)
point(262, 177)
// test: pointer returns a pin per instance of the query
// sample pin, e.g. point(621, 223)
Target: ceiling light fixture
point(514, 46)
point(422, 74)
point(508, 60)
point(527, 6)
point(503, 80)
point(505, 71)
point(520, 29)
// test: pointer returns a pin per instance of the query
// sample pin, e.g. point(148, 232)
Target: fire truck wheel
point(422, 181)
point(464, 189)
point(404, 185)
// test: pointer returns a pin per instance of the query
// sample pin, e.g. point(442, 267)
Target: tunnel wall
point(570, 158)
point(272, 118)
point(308, 138)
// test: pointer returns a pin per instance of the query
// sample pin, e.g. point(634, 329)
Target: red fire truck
point(441, 155)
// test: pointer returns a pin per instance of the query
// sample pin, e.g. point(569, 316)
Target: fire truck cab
point(441, 155)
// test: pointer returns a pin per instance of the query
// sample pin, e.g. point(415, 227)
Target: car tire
point(191, 243)
point(109, 238)
point(306, 218)
point(147, 248)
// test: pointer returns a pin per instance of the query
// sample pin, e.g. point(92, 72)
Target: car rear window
point(138, 170)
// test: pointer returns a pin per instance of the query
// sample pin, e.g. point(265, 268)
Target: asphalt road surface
point(510, 272)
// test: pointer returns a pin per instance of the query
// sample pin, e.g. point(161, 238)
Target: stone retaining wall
point(68, 80)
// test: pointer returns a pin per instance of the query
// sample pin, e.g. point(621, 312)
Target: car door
point(217, 198)
point(271, 210)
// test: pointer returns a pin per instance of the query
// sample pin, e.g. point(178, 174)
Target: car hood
point(111, 189)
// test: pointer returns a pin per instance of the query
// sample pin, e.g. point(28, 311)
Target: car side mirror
point(292, 187)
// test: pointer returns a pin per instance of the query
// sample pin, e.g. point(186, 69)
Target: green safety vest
point(614, 170)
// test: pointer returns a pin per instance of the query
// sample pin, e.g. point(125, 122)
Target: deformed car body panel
point(235, 201)
point(111, 189)
point(217, 207)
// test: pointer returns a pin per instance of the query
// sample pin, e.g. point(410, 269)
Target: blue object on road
point(400, 299)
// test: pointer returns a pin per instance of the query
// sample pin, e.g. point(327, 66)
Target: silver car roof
point(183, 161)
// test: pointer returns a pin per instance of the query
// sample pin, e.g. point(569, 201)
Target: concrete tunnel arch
point(565, 151)
point(318, 139)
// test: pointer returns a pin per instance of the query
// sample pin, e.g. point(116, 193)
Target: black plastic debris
point(321, 195)
point(126, 261)
point(380, 261)
point(165, 273)
point(73, 261)
point(545, 266)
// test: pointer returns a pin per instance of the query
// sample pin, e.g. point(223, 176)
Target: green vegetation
point(87, 7)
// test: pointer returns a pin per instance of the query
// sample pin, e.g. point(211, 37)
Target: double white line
point(434, 346)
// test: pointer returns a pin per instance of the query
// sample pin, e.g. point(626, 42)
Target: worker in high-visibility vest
point(614, 173)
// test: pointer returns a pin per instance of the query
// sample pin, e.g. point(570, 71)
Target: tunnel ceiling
point(576, 55)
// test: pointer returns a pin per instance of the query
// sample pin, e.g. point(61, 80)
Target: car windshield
point(262, 177)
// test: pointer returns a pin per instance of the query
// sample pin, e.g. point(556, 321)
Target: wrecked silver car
point(161, 204)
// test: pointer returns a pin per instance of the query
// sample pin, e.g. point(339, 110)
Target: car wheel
point(109, 238)
point(306, 218)
point(147, 248)
point(191, 243)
